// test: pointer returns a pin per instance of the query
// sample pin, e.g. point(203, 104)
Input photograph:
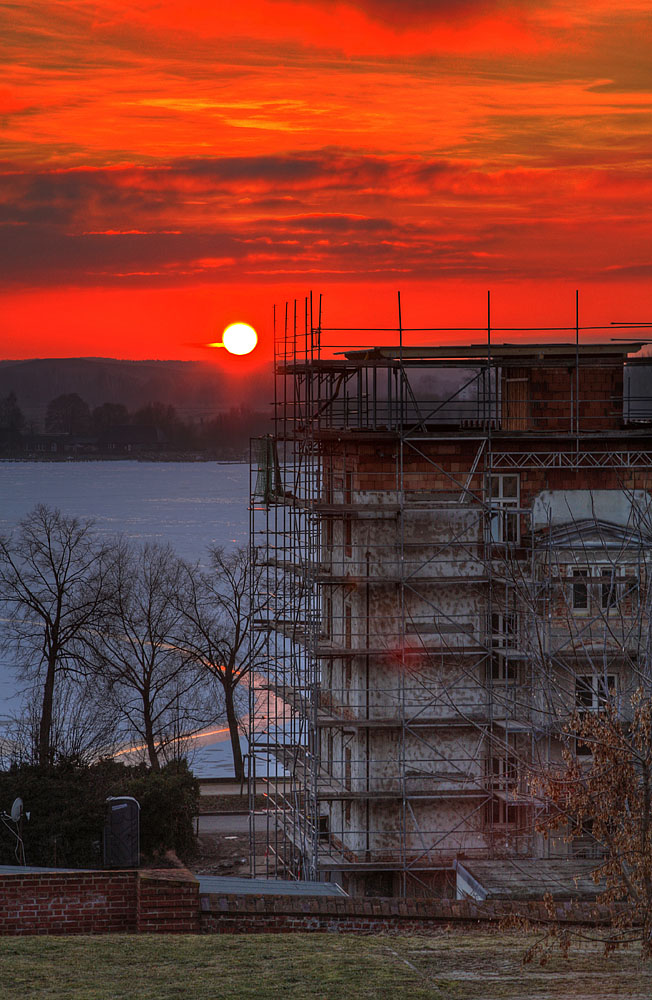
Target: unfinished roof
point(482, 352)
point(225, 885)
point(531, 878)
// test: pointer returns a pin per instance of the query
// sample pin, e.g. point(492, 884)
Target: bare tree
point(140, 663)
point(579, 618)
point(217, 627)
point(85, 727)
point(53, 594)
point(604, 787)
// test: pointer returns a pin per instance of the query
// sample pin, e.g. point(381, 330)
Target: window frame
point(599, 578)
point(600, 691)
point(504, 509)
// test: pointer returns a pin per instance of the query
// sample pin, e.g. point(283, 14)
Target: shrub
point(67, 805)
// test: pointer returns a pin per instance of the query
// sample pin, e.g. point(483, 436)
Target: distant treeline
point(71, 427)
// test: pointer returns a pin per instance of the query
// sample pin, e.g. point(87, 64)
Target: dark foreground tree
point(217, 609)
point(157, 687)
point(53, 595)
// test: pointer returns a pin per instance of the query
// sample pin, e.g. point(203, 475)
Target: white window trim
point(599, 690)
point(501, 507)
point(594, 574)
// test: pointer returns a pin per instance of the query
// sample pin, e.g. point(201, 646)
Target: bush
point(67, 804)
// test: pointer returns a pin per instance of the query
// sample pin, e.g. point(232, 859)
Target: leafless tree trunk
point(217, 610)
point(140, 663)
point(53, 591)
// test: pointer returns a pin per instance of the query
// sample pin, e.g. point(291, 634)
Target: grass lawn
point(458, 965)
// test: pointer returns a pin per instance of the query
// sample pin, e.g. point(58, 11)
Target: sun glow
point(239, 338)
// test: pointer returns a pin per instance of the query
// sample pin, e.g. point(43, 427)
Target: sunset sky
point(170, 167)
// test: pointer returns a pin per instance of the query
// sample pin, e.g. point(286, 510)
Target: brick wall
point(168, 903)
point(230, 914)
point(98, 902)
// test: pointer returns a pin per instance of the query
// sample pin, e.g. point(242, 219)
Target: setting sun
point(239, 338)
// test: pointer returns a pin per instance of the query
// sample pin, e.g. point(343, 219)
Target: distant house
point(42, 444)
point(127, 438)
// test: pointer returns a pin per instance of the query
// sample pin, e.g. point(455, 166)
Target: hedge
point(66, 803)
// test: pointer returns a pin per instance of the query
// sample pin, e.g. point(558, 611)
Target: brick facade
point(98, 902)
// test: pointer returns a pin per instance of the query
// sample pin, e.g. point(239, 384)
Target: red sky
point(172, 166)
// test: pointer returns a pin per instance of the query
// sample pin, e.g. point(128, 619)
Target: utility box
point(122, 832)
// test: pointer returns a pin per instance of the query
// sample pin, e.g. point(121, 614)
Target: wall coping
point(225, 906)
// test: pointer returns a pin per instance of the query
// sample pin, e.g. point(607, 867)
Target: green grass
point(451, 966)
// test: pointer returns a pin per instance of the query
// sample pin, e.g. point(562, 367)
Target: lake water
point(190, 505)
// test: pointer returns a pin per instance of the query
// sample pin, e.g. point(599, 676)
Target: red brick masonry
point(286, 914)
point(97, 902)
point(168, 902)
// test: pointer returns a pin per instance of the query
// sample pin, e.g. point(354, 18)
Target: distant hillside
point(196, 389)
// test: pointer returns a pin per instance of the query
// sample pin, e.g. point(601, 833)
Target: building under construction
point(454, 542)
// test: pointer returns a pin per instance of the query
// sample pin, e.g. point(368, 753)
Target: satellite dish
point(17, 810)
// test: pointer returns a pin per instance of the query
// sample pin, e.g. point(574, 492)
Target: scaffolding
point(455, 545)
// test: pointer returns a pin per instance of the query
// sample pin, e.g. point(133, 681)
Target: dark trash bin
point(122, 832)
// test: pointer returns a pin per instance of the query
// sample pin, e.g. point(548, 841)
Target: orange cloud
point(156, 150)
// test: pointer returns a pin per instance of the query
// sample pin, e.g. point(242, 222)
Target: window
point(595, 588)
point(348, 626)
point(503, 668)
point(327, 620)
point(347, 678)
point(585, 845)
point(348, 523)
point(503, 771)
point(501, 813)
point(328, 486)
point(608, 596)
point(503, 496)
point(348, 537)
point(504, 629)
point(580, 590)
point(593, 691)
point(504, 638)
point(631, 591)
point(346, 812)
point(502, 768)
